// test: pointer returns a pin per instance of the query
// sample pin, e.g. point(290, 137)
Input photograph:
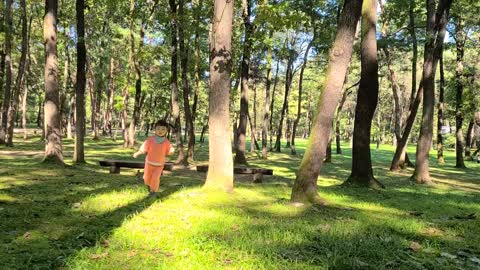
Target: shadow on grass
point(41, 222)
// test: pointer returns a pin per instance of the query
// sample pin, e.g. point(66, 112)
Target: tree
point(79, 153)
point(247, 46)
point(460, 45)
point(220, 164)
point(436, 25)
point(8, 70)
point(12, 112)
point(174, 83)
point(53, 136)
point(305, 186)
point(367, 99)
point(440, 120)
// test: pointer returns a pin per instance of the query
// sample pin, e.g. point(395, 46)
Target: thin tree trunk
point(111, 96)
point(436, 24)
point(242, 126)
point(300, 89)
point(184, 52)
point(288, 82)
point(305, 186)
point(135, 65)
point(53, 147)
point(460, 44)
point(173, 83)
point(93, 100)
point(440, 119)
point(345, 94)
point(362, 172)
point(469, 141)
point(270, 131)
point(220, 165)
point(8, 71)
point(12, 113)
point(2, 75)
point(267, 112)
point(81, 81)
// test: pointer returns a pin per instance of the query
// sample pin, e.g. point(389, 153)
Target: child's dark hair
point(162, 123)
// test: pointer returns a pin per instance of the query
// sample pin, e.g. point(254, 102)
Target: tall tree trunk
point(53, 146)
point(267, 112)
point(173, 83)
point(288, 82)
point(460, 44)
point(397, 107)
point(220, 165)
point(247, 46)
point(135, 65)
point(12, 112)
point(92, 87)
point(469, 141)
point(111, 97)
point(81, 81)
point(300, 89)
point(184, 52)
point(441, 118)
point(8, 71)
point(345, 94)
point(253, 125)
point(362, 172)
point(305, 186)
point(436, 24)
point(270, 131)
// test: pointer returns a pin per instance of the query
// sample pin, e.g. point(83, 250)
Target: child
point(156, 147)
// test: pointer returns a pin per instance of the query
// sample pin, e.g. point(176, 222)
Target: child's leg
point(155, 179)
point(147, 174)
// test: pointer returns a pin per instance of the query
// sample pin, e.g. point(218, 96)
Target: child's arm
point(172, 150)
point(140, 151)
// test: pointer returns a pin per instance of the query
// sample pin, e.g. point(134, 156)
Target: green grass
point(81, 217)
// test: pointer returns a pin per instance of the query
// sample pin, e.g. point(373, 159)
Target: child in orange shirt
point(156, 147)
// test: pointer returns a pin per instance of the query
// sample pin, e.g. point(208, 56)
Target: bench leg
point(257, 178)
point(114, 169)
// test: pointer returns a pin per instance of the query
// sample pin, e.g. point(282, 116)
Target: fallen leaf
point(132, 253)
point(98, 256)
point(227, 261)
point(448, 255)
point(415, 246)
point(105, 243)
point(77, 205)
point(27, 235)
point(235, 227)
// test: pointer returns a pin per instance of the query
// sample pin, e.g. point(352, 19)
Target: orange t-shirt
point(156, 152)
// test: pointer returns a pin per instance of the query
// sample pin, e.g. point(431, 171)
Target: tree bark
point(220, 165)
point(270, 131)
point(81, 81)
point(300, 88)
point(441, 118)
point(135, 66)
point(267, 112)
point(184, 52)
point(460, 44)
point(305, 186)
point(8, 71)
point(247, 46)
point(111, 96)
point(288, 83)
point(436, 25)
point(53, 136)
point(12, 112)
point(174, 84)
point(469, 141)
point(367, 99)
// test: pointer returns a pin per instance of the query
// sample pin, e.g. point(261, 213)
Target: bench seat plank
point(239, 170)
point(115, 165)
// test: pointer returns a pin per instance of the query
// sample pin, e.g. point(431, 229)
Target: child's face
point(161, 131)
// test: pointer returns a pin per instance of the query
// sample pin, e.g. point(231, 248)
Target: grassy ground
point(81, 217)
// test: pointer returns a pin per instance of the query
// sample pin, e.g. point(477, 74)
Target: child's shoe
point(152, 194)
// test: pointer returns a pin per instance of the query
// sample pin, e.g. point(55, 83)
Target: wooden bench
point(115, 165)
point(258, 173)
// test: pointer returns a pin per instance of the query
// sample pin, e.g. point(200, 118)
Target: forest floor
point(82, 217)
